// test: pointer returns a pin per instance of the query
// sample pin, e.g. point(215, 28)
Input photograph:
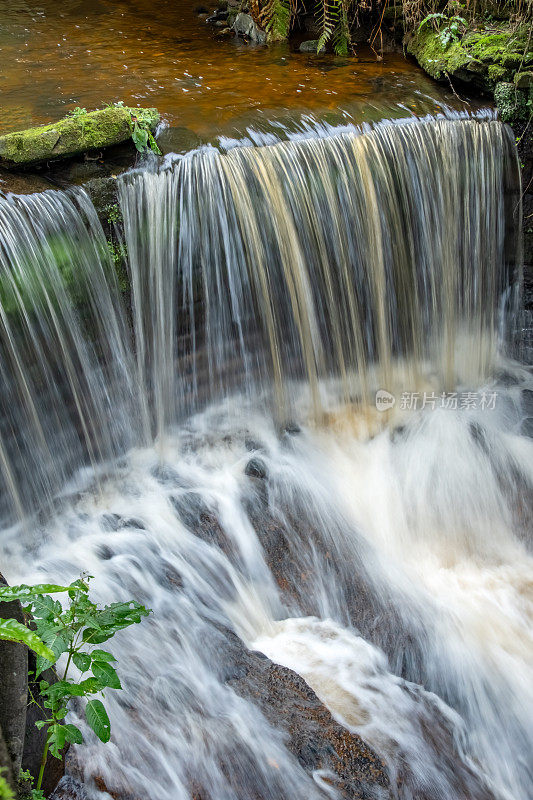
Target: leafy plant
point(26, 790)
point(141, 134)
point(451, 33)
point(72, 632)
point(77, 112)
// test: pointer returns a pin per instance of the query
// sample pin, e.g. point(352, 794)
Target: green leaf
point(73, 734)
point(97, 719)
point(57, 639)
point(13, 631)
point(24, 592)
point(105, 673)
point(102, 655)
point(82, 661)
point(140, 137)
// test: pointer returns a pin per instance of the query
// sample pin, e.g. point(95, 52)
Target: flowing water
point(302, 423)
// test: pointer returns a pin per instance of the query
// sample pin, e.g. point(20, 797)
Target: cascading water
point(235, 474)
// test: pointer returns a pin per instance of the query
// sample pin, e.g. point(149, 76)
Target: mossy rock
point(523, 80)
point(73, 135)
point(513, 104)
point(481, 58)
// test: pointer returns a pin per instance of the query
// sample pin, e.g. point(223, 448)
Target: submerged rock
point(72, 135)
point(311, 46)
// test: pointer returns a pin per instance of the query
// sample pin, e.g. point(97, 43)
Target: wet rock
point(312, 735)
point(311, 46)
point(292, 428)
point(256, 468)
point(103, 193)
point(13, 691)
point(110, 522)
point(71, 135)
point(219, 15)
point(167, 476)
point(244, 25)
point(69, 789)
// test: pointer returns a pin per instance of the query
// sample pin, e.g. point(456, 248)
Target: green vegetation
point(479, 41)
point(73, 632)
point(81, 131)
point(5, 789)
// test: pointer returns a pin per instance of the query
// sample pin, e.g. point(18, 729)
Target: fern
point(276, 18)
point(327, 14)
point(341, 36)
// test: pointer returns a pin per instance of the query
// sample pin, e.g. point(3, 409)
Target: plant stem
point(43, 764)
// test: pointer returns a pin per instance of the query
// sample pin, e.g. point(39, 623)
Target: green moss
point(72, 135)
point(513, 104)
point(498, 73)
point(480, 57)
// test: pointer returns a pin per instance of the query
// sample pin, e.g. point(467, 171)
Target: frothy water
point(228, 467)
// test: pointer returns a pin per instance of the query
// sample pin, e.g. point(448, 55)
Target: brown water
point(55, 56)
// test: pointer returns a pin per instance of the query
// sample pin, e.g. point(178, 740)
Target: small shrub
point(73, 632)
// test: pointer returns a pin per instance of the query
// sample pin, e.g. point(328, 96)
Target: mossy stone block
point(72, 135)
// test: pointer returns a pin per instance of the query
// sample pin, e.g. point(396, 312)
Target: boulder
point(311, 46)
point(244, 25)
point(75, 134)
point(316, 740)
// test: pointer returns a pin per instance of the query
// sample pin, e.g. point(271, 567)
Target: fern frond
point(276, 17)
point(327, 13)
point(341, 36)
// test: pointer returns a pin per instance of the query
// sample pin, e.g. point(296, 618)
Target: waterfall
point(209, 442)
point(322, 258)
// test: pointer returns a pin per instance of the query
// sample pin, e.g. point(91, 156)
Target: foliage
point(337, 18)
point(72, 632)
point(77, 112)
point(26, 789)
point(5, 789)
point(453, 30)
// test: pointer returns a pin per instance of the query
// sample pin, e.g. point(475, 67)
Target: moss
point(498, 73)
point(480, 57)
point(513, 104)
point(72, 135)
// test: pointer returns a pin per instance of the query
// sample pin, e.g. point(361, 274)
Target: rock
point(13, 691)
point(511, 102)
point(312, 735)
point(244, 25)
point(500, 51)
point(69, 789)
point(523, 80)
point(311, 46)
point(256, 468)
point(72, 135)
